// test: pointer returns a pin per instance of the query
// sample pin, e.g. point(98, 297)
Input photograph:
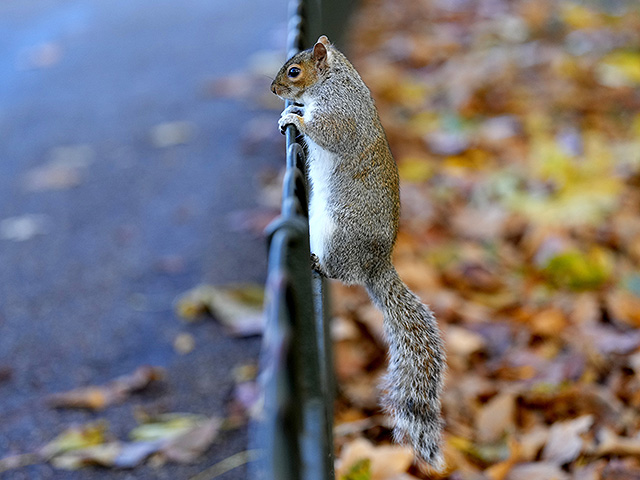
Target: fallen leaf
point(360, 470)
point(132, 454)
point(548, 322)
point(609, 443)
point(565, 440)
point(385, 461)
point(75, 438)
point(104, 455)
point(175, 437)
point(463, 342)
point(238, 308)
point(170, 134)
point(619, 69)
point(624, 307)
point(496, 417)
point(188, 446)
point(116, 391)
point(578, 270)
point(532, 442)
point(537, 471)
point(608, 340)
point(166, 426)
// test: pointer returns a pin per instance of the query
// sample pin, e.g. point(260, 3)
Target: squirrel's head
point(302, 71)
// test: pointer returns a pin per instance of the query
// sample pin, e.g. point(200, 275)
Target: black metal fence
point(294, 431)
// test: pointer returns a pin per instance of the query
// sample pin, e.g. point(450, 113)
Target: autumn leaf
point(361, 457)
point(75, 438)
point(579, 271)
point(237, 307)
point(100, 397)
point(361, 470)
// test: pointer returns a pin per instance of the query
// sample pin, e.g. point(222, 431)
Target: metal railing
point(294, 432)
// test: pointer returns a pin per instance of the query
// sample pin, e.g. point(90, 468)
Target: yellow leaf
point(361, 470)
point(473, 158)
point(619, 69)
point(413, 169)
point(167, 426)
point(76, 438)
point(580, 16)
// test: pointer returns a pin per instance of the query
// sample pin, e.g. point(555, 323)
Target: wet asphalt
point(102, 227)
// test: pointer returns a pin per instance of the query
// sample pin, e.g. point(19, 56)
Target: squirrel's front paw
point(290, 119)
point(297, 109)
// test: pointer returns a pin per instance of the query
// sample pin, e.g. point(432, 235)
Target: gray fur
point(354, 212)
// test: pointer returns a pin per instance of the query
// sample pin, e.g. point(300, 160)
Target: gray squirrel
point(354, 211)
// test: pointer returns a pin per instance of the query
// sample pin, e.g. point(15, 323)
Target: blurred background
point(135, 137)
point(516, 128)
point(140, 162)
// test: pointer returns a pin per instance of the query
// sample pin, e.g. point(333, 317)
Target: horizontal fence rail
point(294, 430)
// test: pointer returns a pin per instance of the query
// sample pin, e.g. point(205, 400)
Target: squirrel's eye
point(293, 72)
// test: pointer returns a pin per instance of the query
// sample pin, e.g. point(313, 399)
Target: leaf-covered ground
point(516, 127)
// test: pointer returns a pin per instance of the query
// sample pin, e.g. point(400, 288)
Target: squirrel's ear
point(324, 40)
point(320, 55)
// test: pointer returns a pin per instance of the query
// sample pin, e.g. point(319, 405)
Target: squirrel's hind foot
point(316, 267)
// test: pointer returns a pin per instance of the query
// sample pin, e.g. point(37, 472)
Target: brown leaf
point(93, 398)
point(585, 309)
point(237, 307)
point(624, 308)
point(386, 461)
point(532, 442)
point(496, 417)
point(548, 322)
point(100, 397)
point(537, 471)
point(463, 342)
point(611, 444)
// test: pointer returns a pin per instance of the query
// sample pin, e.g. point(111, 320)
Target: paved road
point(103, 233)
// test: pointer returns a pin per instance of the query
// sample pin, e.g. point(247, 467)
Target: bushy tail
point(417, 362)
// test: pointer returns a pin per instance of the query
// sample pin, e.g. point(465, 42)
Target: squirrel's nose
point(273, 87)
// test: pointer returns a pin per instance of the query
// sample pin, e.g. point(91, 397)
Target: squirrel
point(354, 212)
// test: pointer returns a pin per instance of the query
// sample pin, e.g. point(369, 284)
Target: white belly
point(321, 223)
